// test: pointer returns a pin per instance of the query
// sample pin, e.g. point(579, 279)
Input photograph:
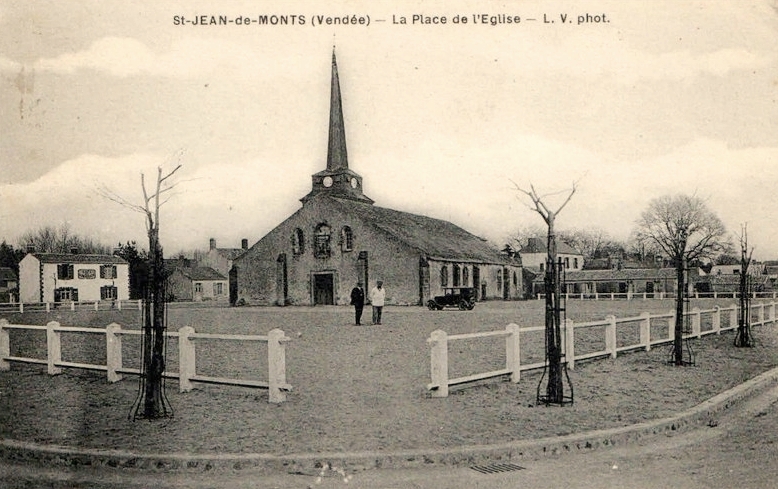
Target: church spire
point(336, 149)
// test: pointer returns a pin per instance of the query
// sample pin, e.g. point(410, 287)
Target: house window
point(108, 292)
point(218, 288)
point(65, 294)
point(444, 276)
point(575, 263)
point(456, 275)
point(515, 279)
point(321, 247)
point(298, 242)
point(346, 239)
point(198, 287)
point(465, 276)
point(65, 271)
point(86, 273)
point(567, 262)
point(107, 271)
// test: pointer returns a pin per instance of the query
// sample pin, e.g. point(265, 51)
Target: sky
point(629, 101)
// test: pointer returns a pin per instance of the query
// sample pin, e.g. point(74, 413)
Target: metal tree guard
point(554, 367)
point(743, 336)
point(683, 355)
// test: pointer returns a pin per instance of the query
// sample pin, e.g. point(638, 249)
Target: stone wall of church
point(387, 259)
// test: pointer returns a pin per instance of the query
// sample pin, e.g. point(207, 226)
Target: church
point(339, 237)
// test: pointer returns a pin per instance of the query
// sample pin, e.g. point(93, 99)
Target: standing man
point(358, 301)
point(377, 297)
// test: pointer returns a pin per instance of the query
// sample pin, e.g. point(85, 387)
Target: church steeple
point(337, 156)
point(337, 179)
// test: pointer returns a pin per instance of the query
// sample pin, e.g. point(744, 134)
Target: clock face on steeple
point(354, 182)
point(327, 181)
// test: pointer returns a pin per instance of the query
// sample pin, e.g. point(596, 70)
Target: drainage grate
point(496, 468)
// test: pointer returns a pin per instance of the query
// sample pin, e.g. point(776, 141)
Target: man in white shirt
point(377, 297)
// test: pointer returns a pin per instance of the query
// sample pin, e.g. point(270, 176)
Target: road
point(739, 451)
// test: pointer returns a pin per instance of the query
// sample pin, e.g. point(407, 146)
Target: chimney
point(244, 244)
point(213, 243)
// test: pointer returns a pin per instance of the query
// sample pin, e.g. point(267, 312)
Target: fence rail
point(762, 314)
point(102, 305)
point(658, 295)
point(187, 339)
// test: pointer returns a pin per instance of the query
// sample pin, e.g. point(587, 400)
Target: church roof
point(434, 237)
point(337, 156)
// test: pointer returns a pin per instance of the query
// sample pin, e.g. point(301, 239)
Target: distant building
point(61, 277)
point(648, 281)
point(222, 259)
point(9, 285)
point(339, 237)
point(196, 284)
point(535, 253)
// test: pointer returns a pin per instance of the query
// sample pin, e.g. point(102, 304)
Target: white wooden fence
point(439, 341)
point(658, 295)
point(72, 306)
point(187, 339)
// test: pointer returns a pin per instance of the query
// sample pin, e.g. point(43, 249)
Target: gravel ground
point(361, 388)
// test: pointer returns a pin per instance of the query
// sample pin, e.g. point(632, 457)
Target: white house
point(59, 277)
point(535, 253)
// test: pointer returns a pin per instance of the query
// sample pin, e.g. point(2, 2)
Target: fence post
point(140, 304)
point(717, 319)
point(54, 347)
point(97, 305)
point(771, 313)
point(48, 307)
point(610, 335)
point(696, 314)
point(276, 353)
point(513, 351)
point(186, 359)
point(439, 362)
point(5, 346)
point(21, 307)
point(113, 352)
point(72, 305)
point(760, 313)
point(671, 326)
point(119, 304)
point(570, 343)
point(645, 330)
point(733, 317)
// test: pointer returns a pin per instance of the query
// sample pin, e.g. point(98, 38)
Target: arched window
point(456, 275)
point(465, 276)
point(321, 237)
point(346, 239)
point(515, 279)
point(444, 276)
point(499, 279)
point(298, 242)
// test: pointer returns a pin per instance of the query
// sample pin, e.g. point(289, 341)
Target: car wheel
point(462, 305)
point(431, 305)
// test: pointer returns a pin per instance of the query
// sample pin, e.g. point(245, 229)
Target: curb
point(314, 463)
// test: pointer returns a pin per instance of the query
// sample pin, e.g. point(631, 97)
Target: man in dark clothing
point(358, 301)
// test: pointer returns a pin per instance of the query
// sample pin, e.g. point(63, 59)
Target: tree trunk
point(154, 333)
point(555, 389)
point(679, 300)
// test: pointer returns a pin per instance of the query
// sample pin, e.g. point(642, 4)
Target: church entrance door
point(323, 288)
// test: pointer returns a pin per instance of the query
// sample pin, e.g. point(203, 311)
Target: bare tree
point(743, 337)
point(152, 396)
point(553, 290)
point(50, 239)
point(682, 227)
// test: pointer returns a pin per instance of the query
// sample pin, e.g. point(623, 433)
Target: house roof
point(230, 253)
point(84, 259)
point(7, 273)
point(434, 237)
point(538, 245)
point(202, 273)
point(619, 275)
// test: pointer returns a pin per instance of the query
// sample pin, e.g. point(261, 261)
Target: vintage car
point(461, 297)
